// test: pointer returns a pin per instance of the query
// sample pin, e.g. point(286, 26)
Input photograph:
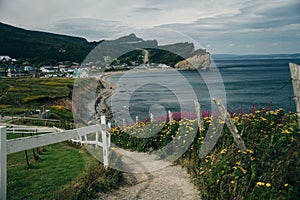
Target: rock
point(198, 61)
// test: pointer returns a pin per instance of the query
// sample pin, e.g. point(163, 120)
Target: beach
point(106, 91)
point(107, 88)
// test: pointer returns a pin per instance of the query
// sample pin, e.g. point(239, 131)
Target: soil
point(170, 183)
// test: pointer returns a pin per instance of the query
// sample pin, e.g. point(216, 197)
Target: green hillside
point(42, 46)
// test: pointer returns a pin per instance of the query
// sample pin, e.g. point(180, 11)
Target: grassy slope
point(20, 95)
point(17, 43)
point(58, 166)
point(63, 171)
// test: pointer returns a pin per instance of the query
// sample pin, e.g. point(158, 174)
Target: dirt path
point(170, 183)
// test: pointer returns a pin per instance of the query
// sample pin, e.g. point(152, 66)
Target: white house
point(7, 58)
point(49, 69)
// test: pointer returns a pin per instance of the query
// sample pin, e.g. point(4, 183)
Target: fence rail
point(21, 144)
point(45, 121)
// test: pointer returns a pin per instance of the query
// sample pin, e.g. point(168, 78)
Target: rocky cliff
point(198, 61)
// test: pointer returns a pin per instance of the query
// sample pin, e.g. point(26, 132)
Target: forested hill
point(42, 46)
point(48, 48)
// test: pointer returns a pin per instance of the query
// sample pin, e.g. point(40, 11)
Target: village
point(9, 68)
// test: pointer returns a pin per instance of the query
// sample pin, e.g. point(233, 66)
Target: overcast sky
point(235, 26)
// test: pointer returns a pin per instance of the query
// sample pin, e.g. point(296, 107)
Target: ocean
point(239, 83)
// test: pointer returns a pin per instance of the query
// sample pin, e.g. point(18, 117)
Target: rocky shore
point(104, 91)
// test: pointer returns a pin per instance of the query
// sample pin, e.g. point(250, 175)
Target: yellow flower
point(220, 121)
point(232, 182)
point(218, 180)
point(206, 118)
point(268, 184)
point(236, 119)
point(243, 170)
point(263, 119)
point(201, 172)
point(285, 131)
point(260, 183)
point(223, 151)
point(238, 163)
point(250, 151)
point(285, 185)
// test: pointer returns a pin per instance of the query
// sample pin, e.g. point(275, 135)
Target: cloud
point(92, 29)
point(147, 9)
point(217, 23)
point(257, 23)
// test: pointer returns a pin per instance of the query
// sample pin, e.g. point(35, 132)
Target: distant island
point(39, 49)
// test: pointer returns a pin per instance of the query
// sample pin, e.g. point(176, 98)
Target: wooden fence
point(45, 121)
point(295, 74)
point(224, 115)
point(21, 144)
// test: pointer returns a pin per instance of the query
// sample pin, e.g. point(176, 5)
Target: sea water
point(239, 83)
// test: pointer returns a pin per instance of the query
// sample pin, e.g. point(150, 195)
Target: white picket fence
point(21, 144)
point(27, 130)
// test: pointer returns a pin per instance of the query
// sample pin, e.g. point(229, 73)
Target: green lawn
point(63, 171)
point(57, 167)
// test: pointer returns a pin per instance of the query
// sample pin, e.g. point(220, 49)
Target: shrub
point(268, 170)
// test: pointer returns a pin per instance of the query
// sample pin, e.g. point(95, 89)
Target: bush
point(268, 170)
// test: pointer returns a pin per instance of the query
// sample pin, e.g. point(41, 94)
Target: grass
point(19, 96)
point(268, 170)
point(22, 91)
point(63, 171)
point(57, 167)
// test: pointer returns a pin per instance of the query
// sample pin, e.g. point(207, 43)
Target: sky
point(221, 27)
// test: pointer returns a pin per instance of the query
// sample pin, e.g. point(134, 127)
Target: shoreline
point(107, 88)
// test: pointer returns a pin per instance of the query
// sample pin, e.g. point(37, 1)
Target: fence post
point(198, 112)
point(136, 119)
point(151, 118)
point(104, 141)
point(124, 123)
point(170, 115)
point(295, 74)
point(3, 163)
point(232, 128)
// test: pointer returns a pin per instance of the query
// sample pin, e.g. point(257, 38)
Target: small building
point(6, 58)
point(49, 69)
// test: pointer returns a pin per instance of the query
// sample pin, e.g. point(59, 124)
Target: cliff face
point(198, 61)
